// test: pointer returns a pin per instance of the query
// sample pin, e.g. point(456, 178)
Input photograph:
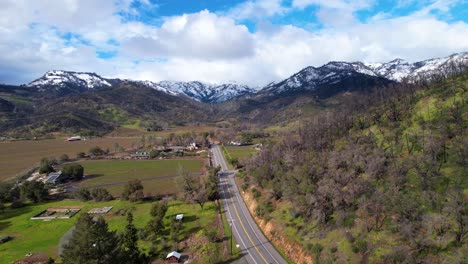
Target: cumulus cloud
point(200, 35)
point(207, 46)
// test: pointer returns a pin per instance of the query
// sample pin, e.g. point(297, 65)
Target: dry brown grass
point(18, 157)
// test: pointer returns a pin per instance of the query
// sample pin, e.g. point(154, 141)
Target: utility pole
point(230, 227)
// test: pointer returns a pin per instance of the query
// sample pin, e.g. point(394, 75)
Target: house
point(179, 217)
point(192, 146)
point(141, 155)
point(236, 143)
point(56, 178)
point(74, 138)
point(173, 257)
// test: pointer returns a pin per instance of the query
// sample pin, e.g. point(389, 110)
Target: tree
point(45, 166)
point(91, 242)
point(6, 191)
point(64, 158)
point(74, 171)
point(133, 191)
point(156, 225)
point(83, 194)
point(80, 155)
point(194, 189)
point(457, 208)
point(101, 194)
point(96, 151)
point(34, 191)
point(129, 245)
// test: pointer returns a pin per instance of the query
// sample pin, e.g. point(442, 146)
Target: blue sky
point(253, 42)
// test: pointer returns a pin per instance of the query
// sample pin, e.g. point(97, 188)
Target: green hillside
point(380, 179)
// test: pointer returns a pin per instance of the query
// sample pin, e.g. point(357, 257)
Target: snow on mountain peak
point(208, 93)
point(57, 79)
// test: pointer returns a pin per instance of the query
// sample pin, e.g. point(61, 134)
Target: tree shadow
point(5, 225)
point(194, 230)
point(9, 213)
point(92, 176)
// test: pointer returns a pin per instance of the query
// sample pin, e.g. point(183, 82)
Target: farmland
point(17, 157)
point(157, 175)
point(240, 152)
point(43, 236)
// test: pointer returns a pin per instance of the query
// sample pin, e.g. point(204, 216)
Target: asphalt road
point(256, 248)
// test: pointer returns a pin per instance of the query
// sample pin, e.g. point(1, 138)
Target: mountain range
point(308, 79)
point(88, 103)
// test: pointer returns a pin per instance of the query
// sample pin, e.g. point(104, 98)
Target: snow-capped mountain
point(66, 82)
point(207, 93)
point(330, 74)
point(365, 74)
point(60, 79)
point(399, 69)
point(328, 79)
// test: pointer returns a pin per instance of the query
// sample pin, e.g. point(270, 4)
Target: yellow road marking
point(245, 230)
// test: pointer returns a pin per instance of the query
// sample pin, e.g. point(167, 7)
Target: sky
point(252, 42)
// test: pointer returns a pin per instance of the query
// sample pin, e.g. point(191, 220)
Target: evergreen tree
point(91, 243)
point(129, 244)
point(155, 225)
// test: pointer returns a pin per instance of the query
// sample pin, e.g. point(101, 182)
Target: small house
point(74, 138)
point(141, 155)
point(192, 146)
point(173, 257)
point(179, 217)
point(236, 143)
point(56, 178)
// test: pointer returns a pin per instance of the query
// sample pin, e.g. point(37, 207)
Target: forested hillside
point(381, 178)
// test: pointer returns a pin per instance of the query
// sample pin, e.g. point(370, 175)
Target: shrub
point(101, 194)
point(83, 194)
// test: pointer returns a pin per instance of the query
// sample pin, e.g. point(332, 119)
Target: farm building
point(173, 257)
point(56, 178)
point(74, 138)
point(192, 146)
point(236, 143)
point(141, 155)
point(179, 217)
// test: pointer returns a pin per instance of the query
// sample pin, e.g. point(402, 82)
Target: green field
point(19, 156)
point(43, 236)
point(157, 175)
point(240, 152)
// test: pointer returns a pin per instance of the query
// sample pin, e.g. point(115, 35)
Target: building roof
point(179, 216)
point(53, 176)
point(174, 254)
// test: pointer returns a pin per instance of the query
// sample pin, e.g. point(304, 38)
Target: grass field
point(43, 236)
point(19, 156)
point(240, 152)
point(161, 172)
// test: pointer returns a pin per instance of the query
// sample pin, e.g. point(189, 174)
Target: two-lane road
point(251, 240)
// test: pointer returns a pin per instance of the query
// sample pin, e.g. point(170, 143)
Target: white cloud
point(334, 4)
point(257, 9)
point(207, 46)
point(201, 35)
